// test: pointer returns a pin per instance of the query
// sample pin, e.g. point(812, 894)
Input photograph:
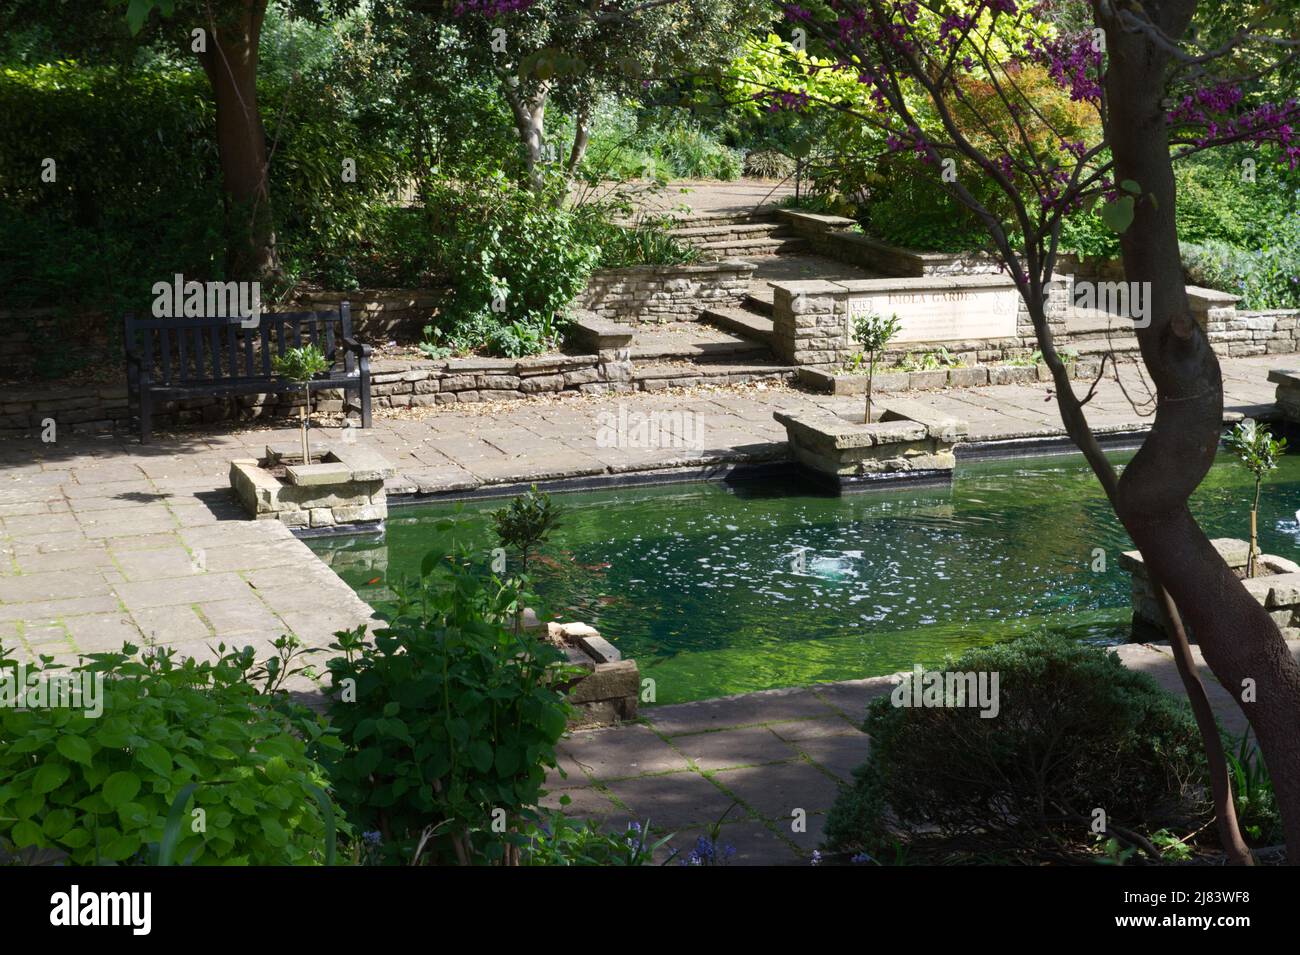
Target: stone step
point(741, 322)
point(761, 302)
point(691, 220)
point(746, 247)
point(1098, 345)
point(695, 350)
point(1085, 323)
point(657, 377)
point(746, 229)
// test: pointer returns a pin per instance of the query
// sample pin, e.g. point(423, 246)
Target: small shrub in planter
point(199, 736)
point(449, 717)
point(1259, 453)
point(1075, 731)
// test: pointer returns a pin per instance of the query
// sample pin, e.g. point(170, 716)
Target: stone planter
point(341, 490)
point(1276, 585)
point(907, 442)
point(609, 690)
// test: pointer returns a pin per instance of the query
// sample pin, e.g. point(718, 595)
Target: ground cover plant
point(185, 761)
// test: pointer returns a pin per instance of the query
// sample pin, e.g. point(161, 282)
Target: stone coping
point(919, 283)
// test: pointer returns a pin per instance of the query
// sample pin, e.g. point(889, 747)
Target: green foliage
point(909, 208)
point(873, 331)
point(514, 261)
point(173, 733)
point(454, 719)
point(1253, 794)
point(929, 360)
point(559, 841)
point(1256, 449)
point(300, 364)
point(527, 521)
point(1267, 277)
point(1075, 730)
point(631, 144)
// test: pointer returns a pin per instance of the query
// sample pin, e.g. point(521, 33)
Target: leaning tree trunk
point(230, 62)
point(1240, 642)
point(529, 111)
point(581, 139)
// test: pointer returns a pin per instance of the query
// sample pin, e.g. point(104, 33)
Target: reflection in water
point(718, 590)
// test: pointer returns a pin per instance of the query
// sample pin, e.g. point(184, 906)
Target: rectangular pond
point(720, 589)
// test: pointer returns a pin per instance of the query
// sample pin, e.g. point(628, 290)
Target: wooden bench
point(172, 359)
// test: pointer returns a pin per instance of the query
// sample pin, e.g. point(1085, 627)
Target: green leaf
point(1128, 185)
point(277, 770)
point(26, 833)
point(74, 748)
point(275, 833)
point(136, 13)
point(1118, 215)
point(50, 777)
point(480, 754)
point(120, 788)
point(172, 829)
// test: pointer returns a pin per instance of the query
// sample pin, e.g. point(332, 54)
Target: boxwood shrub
point(1075, 731)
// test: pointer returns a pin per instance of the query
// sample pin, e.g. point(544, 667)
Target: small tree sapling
point(302, 365)
point(1258, 451)
point(873, 332)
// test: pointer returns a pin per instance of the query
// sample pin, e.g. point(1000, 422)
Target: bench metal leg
point(146, 417)
point(364, 389)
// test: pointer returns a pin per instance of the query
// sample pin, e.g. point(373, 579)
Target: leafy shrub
point(100, 789)
point(1075, 731)
point(514, 261)
point(1265, 278)
point(560, 841)
point(908, 208)
point(451, 720)
point(626, 144)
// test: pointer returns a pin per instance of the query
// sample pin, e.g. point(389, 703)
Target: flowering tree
point(1162, 84)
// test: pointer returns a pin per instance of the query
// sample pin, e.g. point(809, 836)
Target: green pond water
point(718, 590)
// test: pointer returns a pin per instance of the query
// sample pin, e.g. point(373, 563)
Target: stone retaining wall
point(1236, 333)
point(665, 293)
point(381, 314)
point(812, 321)
point(422, 383)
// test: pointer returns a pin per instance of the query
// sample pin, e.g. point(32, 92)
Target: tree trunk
point(1240, 642)
point(230, 62)
point(529, 111)
point(581, 138)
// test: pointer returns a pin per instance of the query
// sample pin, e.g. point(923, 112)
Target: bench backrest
point(178, 351)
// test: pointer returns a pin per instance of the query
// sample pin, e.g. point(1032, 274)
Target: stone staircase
point(739, 235)
point(688, 354)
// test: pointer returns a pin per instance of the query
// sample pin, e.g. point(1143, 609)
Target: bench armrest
point(354, 346)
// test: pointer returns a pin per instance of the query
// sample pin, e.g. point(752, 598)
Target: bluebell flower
point(372, 838)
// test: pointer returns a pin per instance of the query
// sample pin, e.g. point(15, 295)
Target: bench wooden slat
point(214, 343)
point(165, 352)
point(172, 359)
